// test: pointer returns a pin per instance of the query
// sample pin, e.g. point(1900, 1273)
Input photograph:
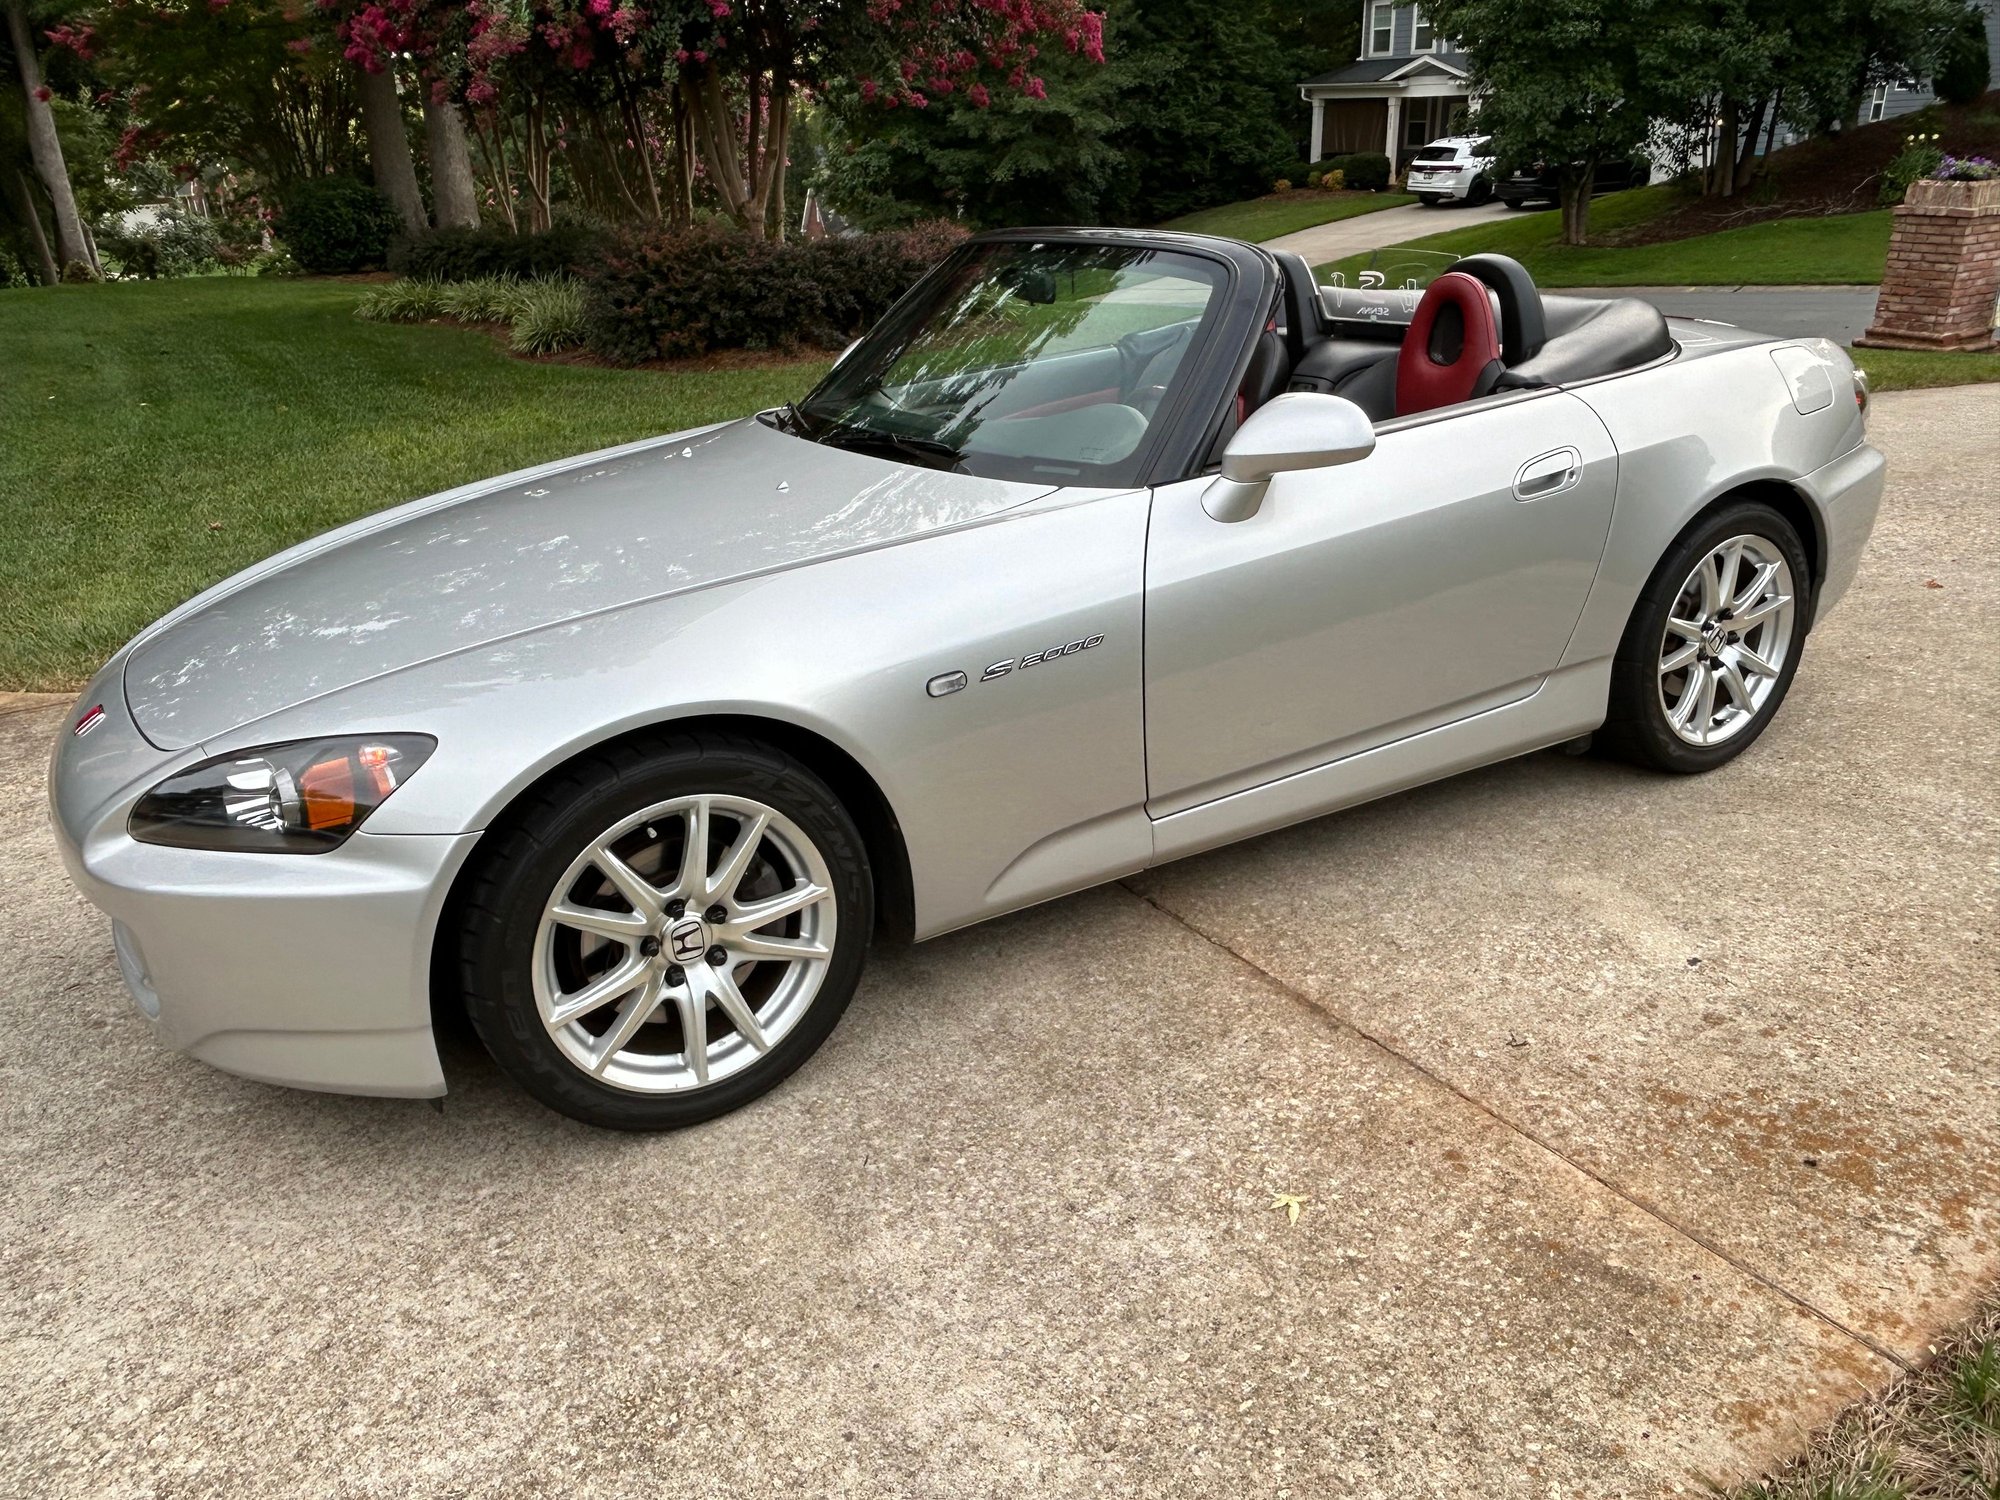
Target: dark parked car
point(1537, 184)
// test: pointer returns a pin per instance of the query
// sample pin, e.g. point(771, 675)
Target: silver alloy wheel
point(1727, 639)
point(684, 943)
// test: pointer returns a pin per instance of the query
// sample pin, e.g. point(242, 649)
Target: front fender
point(1007, 791)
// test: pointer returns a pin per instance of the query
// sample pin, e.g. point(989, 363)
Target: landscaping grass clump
point(548, 318)
point(162, 435)
point(545, 315)
point(1275, 214)
point(1933, 1435)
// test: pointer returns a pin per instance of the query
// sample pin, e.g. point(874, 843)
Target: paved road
point(1840, 313)
point(1637, 1117)
point(1389, 226)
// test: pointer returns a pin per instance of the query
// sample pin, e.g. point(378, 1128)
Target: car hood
point(526, 551)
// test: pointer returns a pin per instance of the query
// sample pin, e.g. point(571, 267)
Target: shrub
point(176, 245)
point(550, 316)
point(277, 262)
point(686, 293)
point(1334, 181)
point(1365, 171)
point(1282, 185)
point(467, 254)
point(336, 224)
point(1920, 157)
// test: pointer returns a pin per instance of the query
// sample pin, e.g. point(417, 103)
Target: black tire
point(523, 859)
point(1636, 728)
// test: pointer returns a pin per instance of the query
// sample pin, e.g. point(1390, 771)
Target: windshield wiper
point(853, 435)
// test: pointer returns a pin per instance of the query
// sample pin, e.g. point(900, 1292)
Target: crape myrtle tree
point(1195, 104)
point(27, 41)
point(625, 110)
point(642, 102)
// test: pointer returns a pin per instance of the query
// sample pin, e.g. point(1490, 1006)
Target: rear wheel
point(662, 934)
point(1713, 643)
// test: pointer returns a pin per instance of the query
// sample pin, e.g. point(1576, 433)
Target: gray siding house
point(1893, 99)
point(1407, 88)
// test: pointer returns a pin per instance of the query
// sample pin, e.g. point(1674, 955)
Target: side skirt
point(1570, 702)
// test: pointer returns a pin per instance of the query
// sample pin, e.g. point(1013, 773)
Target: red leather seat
point(1452, 350)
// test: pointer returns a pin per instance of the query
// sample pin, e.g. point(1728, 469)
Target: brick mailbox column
point(1943, 278)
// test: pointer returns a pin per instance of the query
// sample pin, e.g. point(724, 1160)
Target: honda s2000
point(1102, 548)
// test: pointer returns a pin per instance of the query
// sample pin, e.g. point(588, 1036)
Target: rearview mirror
point(1298, 430)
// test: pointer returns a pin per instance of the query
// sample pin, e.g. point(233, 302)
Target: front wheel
point(1712, 644)
point(660, 934)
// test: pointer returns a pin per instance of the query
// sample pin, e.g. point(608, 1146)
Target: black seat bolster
point(1360, 370)
point(1590, 336)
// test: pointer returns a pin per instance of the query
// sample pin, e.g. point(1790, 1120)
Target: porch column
point(1395, 125)
point(1316, 150)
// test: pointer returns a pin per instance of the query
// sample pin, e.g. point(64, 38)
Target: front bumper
point(306, 970)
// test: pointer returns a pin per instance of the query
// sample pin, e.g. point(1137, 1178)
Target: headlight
point(304, 797)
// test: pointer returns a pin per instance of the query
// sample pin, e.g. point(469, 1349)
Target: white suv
point(1454, 169)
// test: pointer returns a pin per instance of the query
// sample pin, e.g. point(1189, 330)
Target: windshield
point(1029, 361)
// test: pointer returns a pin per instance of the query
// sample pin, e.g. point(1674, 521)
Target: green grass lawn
point(1845, 249)
point(1259, 219)
point(1914, 369)
point(161, 435)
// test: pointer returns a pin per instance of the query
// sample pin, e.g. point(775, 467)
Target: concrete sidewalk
point(1642, 1122)
point(1388, 226)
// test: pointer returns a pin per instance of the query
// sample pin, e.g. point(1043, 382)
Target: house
point(1886, 101)
point(1408, 87)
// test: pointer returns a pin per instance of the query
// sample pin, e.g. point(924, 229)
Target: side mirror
point(1298, 430)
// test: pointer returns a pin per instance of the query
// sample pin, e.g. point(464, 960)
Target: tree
point(1562, 81)
point(1966, 70)
point(44, 145)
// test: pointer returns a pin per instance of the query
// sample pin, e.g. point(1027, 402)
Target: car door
point(1439, 576)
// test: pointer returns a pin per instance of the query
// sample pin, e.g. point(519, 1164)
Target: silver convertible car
point(1102, 548)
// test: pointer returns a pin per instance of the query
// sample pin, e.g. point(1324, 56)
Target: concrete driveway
point(1640, 1123)
point(1388, 226)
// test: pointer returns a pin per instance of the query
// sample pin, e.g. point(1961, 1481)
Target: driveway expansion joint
point(1333, 1017)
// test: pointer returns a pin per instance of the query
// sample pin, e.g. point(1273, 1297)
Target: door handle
point(1550, 474)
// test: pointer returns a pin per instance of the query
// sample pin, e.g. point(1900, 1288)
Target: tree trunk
point(51, 272)
point(389, 146)
point(1746, 159)
point(1576, 203)
point(454, 196)
point(1726, 133)
point(44, 146)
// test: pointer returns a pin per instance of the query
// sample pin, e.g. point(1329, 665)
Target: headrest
point(1523, 330)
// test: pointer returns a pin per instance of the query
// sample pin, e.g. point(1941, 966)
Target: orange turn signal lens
point(327, 790)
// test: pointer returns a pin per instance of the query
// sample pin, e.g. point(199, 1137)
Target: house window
point(1875, 105)
point(1381, 30)
point(1417, 124)
point(1422, 37)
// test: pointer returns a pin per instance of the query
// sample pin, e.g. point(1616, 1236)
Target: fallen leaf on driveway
point(1932, 583)
point(1291, 1203)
